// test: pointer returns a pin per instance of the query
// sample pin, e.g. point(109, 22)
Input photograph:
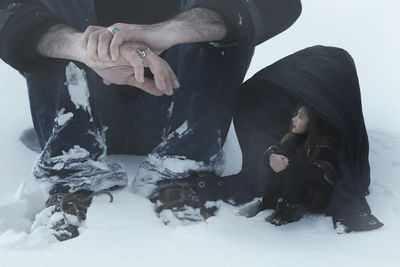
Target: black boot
point(65, 212)
point(286, 212)
point(187, 198)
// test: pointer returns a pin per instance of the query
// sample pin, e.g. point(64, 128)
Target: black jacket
point(249, 22)
point(322, 165)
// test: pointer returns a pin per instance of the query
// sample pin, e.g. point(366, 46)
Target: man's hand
point(96, 41)
point(63, 42)
point(129, 69)
point(278, 162)
point(122, 73)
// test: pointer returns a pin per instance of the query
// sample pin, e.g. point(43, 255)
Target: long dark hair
point(304, 144)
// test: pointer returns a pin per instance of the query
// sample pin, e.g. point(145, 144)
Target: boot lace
point(61, 200)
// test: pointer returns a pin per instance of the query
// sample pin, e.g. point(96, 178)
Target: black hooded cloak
point(325, 79)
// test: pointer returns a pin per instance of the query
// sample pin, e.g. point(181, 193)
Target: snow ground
point(127, 232)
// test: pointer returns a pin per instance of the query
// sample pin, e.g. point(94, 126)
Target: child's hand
point(278, 162)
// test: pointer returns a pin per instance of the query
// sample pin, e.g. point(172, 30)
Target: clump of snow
point(74, 153)
point(155, 168)
point(170, 109)
point(249, 209)
point(77, 87)
point(340, 228)
point(63, 118)
point(182, 217)
point(58, 166)
point(184, 128)
point(176, 164)
point(98, 164)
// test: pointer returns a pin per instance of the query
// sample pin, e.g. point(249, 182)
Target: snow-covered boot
point(180, 198)
point(65, 212)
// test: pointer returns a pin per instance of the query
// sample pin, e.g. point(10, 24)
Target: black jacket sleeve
point(274, 149)
point(324, 166)
point(251, 22)
point(22, 22)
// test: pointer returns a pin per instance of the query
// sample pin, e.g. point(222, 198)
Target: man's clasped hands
point(120, 53)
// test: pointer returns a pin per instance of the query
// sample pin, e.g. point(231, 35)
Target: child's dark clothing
point(308, 181)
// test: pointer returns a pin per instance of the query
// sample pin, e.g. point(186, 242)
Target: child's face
point(300, 122)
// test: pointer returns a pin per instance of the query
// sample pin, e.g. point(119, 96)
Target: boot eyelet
point(372, 222)
point(220, 183)
point(13, 6)
point(202, 184)
point(363, 214)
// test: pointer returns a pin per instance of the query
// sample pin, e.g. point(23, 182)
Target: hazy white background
point(127, 232)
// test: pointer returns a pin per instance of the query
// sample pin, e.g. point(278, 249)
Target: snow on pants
point(137, 122)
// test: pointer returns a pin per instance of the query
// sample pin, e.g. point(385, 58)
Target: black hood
point(325, 78)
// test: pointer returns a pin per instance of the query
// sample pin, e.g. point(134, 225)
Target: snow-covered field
point(128, 233)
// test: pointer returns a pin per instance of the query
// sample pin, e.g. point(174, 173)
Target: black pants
point(297, 186)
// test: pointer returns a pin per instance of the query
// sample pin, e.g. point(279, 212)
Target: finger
point(169, 91)
point(284, 160)
point(172, 76)
point(116, 42)
point(103, 47)
point(273, 165)
point(156, 67)
point(167, 77)
point(276, 169)
point(166, 69)
point(148, 86)
point(175, 81)
point(136, 62)
point(85, 36)
point(281, 165)
point(91, 49)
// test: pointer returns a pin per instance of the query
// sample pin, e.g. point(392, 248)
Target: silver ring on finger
point(143, 53)
point(113, 30)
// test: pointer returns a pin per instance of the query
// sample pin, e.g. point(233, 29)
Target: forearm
point(251, 22)
point(195, 25)
point(61, 41)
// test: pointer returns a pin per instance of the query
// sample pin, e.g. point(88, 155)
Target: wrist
point(159, 35)
point(171, 32)
point(77, 52)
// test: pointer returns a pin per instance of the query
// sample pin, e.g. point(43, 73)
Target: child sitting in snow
point(302, 170)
